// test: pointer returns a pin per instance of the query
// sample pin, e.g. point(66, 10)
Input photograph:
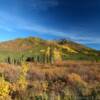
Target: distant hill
point(28, 47)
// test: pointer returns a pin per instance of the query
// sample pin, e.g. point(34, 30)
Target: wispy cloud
point(6, 28)
point(75, 37)
point(44, 30)
point(42, 4)
point(17, 24)
point(87, 40)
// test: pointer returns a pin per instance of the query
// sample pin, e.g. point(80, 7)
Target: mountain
point(28, 47)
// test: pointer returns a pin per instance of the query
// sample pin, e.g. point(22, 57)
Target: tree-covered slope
point(28, 47)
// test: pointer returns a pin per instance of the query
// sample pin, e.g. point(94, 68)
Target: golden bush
point(73, 77)
point(4, 87)
point(22, 81)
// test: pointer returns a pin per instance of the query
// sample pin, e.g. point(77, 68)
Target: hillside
point(38, 69)
point(28, 47)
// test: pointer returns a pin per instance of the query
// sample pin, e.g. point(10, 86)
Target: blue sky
point(78, 20)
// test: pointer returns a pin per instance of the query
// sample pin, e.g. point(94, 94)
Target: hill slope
point(28, 47)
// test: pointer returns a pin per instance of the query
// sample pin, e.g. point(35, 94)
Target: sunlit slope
point(31, 46)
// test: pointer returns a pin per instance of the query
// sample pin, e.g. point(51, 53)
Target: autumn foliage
point(70, 80)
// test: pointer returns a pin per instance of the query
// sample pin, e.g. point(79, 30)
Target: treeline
point(48, 55)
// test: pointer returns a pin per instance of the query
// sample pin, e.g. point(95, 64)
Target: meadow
point(37, 69)
point(69, 80)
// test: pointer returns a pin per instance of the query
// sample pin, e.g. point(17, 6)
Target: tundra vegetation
point(71, 80)
point(49, 72)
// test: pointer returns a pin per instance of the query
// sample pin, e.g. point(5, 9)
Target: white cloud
point(42, 4)
point(18, 24)
point(6, 28)
point(87, 40)
point(71, 36)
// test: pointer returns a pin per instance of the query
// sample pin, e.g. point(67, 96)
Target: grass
point(70, 80)
point(36, 69)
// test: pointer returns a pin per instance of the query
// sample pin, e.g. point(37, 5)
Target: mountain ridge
point(33, 45)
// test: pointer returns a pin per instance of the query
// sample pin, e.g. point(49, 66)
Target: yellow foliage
point(4, 87)
point(22, 82)
point(42, 51)
point(48, 51)
point(24, 69)
point(57, 55)
point(76, 78)
point(69, 49)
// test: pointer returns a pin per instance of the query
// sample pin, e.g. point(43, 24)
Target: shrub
point(81, 86)
point(69, 94)
point(4, 88)
point(22, 82)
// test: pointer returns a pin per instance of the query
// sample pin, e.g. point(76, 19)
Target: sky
point(77, 20)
